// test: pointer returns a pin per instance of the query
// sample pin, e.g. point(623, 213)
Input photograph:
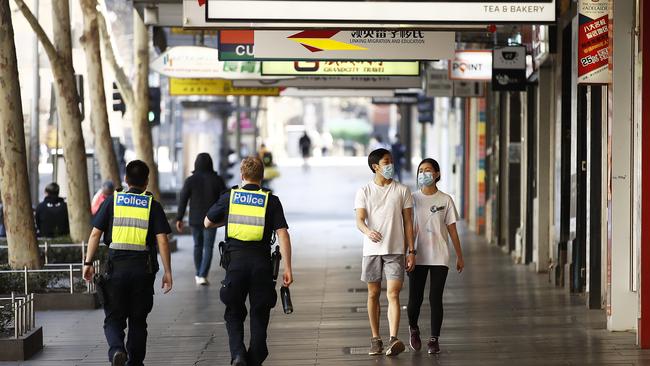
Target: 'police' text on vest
point(249, 199)
point(132, 200)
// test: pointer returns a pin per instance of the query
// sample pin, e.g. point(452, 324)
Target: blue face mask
point(388, 171)
point(425, 179)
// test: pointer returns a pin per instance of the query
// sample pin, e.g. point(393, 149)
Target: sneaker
point(376, 346)
point(197, 279)
point(415, 342)
point(204, 281)
point(119, 359)
point(395, 347)
point(433, 346)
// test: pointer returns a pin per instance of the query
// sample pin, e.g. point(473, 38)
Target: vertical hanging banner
point(593, 42)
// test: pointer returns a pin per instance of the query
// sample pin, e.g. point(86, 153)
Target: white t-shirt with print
point(432, 215)
point(384, 207)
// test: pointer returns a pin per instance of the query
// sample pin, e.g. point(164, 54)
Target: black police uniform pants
point(130, 297)
point(248, 276)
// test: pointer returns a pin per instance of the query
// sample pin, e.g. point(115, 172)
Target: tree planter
point(21, 348)
point(66, 301)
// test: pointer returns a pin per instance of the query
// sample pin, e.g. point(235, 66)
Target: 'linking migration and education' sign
point(324, 44)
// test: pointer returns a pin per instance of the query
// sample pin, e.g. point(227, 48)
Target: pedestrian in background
point(305, 149)
point(3, 232)
point(202, 189)
point(398, 150)
point(435, 221)
point(52, 214)
point(107, 190)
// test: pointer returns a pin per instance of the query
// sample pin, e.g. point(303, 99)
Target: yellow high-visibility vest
point(131, 221)
point(246, 214)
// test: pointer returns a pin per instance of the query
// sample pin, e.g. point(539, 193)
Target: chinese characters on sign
point(593, 42)
point(328, 44)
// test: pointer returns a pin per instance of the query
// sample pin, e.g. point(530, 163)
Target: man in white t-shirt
point(384, 210)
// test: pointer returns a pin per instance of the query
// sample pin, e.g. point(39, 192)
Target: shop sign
point(438, 83)
point(471, 65)
point(324, 44)
point(469, 89)
point(196, 62)
point(337, 82)
point(593, 42)
point(341, 68)
point(296, 14)
point(509, 68)
point(219, 87)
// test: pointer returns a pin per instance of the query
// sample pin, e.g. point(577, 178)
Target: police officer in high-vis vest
point(252, 216)
point(135, 228)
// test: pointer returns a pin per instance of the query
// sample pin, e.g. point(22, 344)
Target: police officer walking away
point(134, 227)
point(253, 216)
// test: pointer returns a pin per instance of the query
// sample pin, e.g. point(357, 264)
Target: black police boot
point(119, 359)
point(239, 361)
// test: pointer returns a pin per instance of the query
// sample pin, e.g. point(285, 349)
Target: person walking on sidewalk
point(435, 221)
point(135, 229)
point(384, 216)
point(253, 217)
point(201, 189)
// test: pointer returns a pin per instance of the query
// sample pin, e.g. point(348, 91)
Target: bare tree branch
point(51, 52)
point(123, 82)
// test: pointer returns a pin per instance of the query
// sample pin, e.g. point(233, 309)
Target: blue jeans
point(203, 246)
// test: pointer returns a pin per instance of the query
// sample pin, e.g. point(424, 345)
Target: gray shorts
point(373, 266)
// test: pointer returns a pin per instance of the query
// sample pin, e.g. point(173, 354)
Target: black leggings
point(417, 283)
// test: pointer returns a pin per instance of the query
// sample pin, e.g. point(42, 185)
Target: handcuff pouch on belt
point(224, 255)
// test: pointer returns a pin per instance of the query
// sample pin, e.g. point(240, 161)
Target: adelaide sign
point(293, 14)
point(324, 44)
point(593, 42)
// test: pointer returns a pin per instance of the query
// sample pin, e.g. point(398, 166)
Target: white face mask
point(388, 171)
point(425, 179)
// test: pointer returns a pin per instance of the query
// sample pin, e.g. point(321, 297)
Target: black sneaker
point(119, 359)
point(433, 346)
point(415, 341)
point(239, 361)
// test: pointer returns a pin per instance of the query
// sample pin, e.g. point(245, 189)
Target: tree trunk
point(140, 107)
point(19, 220)
point(98, 115)
point(74, 149)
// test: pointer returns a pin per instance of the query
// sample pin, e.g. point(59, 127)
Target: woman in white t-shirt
point(435, 221)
